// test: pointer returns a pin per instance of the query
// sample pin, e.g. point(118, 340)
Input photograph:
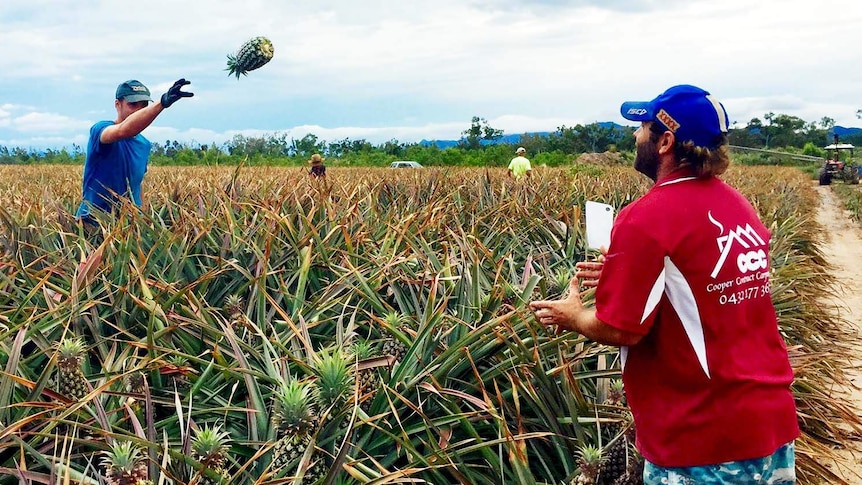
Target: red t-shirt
point(688, 268)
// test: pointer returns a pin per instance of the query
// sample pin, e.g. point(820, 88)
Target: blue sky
point(410, 70)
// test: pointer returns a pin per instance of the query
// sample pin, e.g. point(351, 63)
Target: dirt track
point(843, 248)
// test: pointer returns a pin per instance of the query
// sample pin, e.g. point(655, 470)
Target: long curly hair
point(704, 162)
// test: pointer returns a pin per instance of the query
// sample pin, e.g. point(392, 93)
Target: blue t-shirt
point(112, 168)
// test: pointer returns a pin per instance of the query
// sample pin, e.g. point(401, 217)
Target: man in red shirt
point(684, 291)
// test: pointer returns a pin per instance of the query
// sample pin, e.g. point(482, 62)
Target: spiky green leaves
point(124, 464)
point(335, 379)
point(251, 55)
point(210, 446)
point(294, 408)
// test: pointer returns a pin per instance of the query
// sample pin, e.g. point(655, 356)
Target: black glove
point(174, 93)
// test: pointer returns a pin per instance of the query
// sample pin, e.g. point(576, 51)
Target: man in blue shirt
point(117, 153)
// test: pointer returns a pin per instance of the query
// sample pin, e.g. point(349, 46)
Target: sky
point(406, 70)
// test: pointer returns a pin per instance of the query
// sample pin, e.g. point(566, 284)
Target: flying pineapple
point(251, 55)
point(296, 420)
point(210, 447)
point(124, 465)
point(70, 380)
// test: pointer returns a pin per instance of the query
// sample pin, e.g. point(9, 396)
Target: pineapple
point(233, 306)
point(70, 380)
point(136, 382)
point(615, 463)
point(366, 379)
point(510, 297)
point(616, 394)
point(251, 55)
point(178, 370)
point(634, 474)
point(296, 420)
point(392, 345)
point(589, 463)
point(124, 465)
point(209, 447)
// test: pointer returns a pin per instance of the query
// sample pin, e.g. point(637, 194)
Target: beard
point(646, 159)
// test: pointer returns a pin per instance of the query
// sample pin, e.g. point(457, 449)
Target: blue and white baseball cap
point(690, 113)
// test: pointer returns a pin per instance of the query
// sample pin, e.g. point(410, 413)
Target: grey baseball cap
point(133, 91)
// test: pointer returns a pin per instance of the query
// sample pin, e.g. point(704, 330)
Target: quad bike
point(836, 168)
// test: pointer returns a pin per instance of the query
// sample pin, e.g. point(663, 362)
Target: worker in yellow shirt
point(520, 166)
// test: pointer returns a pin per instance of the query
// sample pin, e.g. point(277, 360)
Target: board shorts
point(777, 468)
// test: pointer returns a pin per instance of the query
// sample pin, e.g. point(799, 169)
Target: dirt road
point(843, 248)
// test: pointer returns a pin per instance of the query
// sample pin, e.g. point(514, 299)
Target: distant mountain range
point(514, 139)
point(842, 132)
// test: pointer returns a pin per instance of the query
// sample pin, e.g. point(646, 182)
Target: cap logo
point(138, 88)
point(637, 111)
point(667, 120)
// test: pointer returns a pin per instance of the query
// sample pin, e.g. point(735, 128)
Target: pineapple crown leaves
point(616, 392)
point(394, 319)
point(590, 455)
point(562, 278)
point(210, 445)
point(71, 348)
point(363, 349)
point(123, 457)
point(334, 383)
point(293, 402)
point(233, 304)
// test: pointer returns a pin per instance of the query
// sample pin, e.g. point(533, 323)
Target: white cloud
point(47, 123)
point(386, 69)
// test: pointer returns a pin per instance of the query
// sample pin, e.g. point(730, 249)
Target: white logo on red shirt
point(746, 261)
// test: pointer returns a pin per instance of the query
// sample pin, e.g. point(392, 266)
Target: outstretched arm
point(132, 125)
point(142, 118)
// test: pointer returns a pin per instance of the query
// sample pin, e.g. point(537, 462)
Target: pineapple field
point(250, 325)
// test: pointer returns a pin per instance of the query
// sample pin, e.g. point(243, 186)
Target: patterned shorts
point(774, 469)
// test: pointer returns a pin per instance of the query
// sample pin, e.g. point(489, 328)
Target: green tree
point(479, 130)
point(307, 146)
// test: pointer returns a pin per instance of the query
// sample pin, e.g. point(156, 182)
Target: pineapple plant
point(210, 447)
point(70, 379)
point(621, 458)
point(616, 393)
point(295, 420)
point(124, 465)
point(178, 371)
point(366, 379)
point(589, 465)
point(252, 55)
point(392, 345)
point(233, 305)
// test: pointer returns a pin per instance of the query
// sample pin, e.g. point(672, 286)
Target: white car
point(404, 164)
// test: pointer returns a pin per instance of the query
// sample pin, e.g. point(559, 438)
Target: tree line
point(479, 145)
